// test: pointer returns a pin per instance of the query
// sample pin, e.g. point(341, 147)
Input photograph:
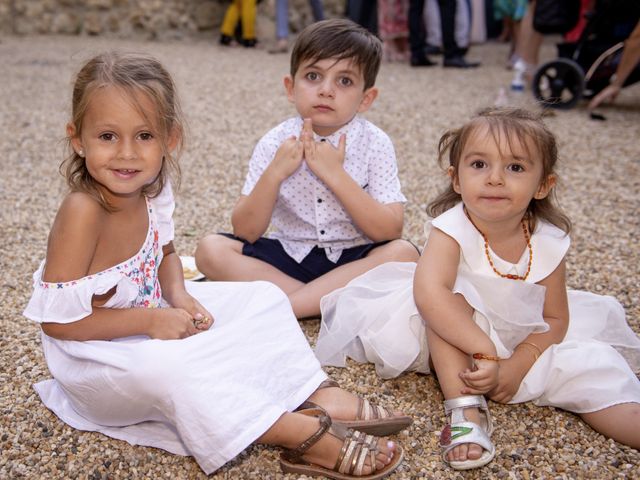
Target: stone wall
point(152, 19)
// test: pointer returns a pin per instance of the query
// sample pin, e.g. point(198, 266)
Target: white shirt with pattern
point(307, 213)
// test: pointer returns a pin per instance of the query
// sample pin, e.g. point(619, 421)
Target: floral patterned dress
point(210, 395)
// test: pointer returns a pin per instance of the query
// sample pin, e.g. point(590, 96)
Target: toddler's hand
point(509, 379)
point(482, 379)
point(288, 158)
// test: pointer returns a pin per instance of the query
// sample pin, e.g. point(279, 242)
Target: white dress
point(210, 395)
point(374, 319)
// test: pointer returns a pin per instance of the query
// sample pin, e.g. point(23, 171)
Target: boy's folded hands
point(322, 158)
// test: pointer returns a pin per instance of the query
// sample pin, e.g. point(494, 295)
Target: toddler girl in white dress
point(491, 308)
point(138, 356)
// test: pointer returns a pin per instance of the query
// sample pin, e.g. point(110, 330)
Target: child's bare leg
point(291, 429)
point(306, 300)
point(448, 362)
point(220, 258)
point(620, 422)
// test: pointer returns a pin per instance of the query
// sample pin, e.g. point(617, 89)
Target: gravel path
point(231, 98)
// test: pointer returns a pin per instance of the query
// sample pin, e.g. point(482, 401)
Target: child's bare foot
point(325, 453)
point(466, 438)
point(467, 451)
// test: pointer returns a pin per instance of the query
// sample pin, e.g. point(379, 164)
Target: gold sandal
point(356, 447)
point(370, 418)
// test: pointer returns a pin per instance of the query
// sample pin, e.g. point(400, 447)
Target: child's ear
point(73, 136)
point(545, 187)
point(455, 184)
point(173, 140)
point(368, 97)
point(288, 86)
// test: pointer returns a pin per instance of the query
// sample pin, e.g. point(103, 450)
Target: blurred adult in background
point(282, 23)
point(453, 51)
point(243, 11)
point(364, 12)
point(393, 29)
point(629, 60)
point(417, 35)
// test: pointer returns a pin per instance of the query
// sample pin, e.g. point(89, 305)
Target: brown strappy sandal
point(356, 447)
point(370, 418)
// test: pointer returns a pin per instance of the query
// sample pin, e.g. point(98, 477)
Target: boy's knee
point(402, 251)
point(210, 250)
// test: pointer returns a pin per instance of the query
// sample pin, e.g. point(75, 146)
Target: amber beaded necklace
point(527, 238)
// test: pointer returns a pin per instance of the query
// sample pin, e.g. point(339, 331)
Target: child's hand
point(322, 158)
point(509, 379)
point(288, 158)
point(482, 379)
point(172, 324)
point(200, 317)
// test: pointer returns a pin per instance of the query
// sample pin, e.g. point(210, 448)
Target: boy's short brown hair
point(339, 39)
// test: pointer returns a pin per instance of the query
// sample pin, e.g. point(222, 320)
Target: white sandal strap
point(467, 401)
point(456, 406)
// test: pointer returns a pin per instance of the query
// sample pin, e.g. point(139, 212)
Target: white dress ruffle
point(210, 395)
point(374, 319)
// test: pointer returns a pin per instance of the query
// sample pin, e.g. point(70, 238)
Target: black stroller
point(585, 67)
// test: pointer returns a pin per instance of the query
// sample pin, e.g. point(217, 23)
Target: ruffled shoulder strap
point(455, 223)
point(549, 243)
point(67, 302)
point(162, 207)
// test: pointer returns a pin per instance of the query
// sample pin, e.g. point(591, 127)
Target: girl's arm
point(72, 244)
point(556, 314)
point(448, 314)
point(171, 278)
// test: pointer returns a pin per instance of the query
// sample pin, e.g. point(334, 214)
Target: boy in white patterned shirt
point(326, 181)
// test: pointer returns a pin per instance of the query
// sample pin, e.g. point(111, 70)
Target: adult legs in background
point(527, 46)
point(248, 18)
point(317, 10)
point(282, 23)
point(229, 22)
point(417, 35)
point(453, 54)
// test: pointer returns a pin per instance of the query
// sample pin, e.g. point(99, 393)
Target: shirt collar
point(349, 129)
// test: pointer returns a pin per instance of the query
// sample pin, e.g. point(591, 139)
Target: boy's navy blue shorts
point(314, 265)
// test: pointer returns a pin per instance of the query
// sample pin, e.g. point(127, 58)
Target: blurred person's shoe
point(281, 46)
point(225, 40)
point(432, 50)
point(459, 62)
point(249, 42)
point(421, 62)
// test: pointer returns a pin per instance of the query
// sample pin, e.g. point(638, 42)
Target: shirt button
point(319, 200)
point(321, 232)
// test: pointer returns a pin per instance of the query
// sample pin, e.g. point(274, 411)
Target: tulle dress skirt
point(374, 319)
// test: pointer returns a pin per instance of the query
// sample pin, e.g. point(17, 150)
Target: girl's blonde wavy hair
point(133, 73)
point(516, 125)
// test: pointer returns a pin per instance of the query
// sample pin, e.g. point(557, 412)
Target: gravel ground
point(231, 98)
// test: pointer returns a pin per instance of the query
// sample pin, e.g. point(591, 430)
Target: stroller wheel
point(559, 83)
